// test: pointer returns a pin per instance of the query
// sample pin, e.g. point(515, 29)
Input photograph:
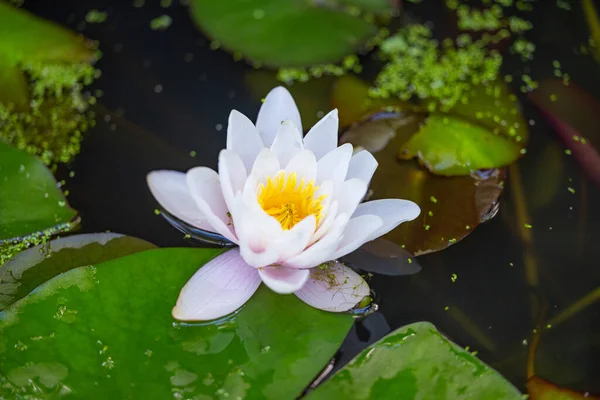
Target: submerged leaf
point(451, 146)
point(573, 114)
point(350, 96)
point(30, 200)
point(32, 267)
point(416, 362)
point(91, 329)
point(540, 389)
point(281, 32)
point(451, 207)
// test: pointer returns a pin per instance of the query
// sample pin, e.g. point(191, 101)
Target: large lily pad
point(26, 37)
point(32, 267)
point(30, 200)
point(451, 207)
point(278, 33)
point(106, 331)
point(416, 362)
point(447, 145)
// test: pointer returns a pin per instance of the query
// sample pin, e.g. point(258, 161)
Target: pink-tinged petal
point(336, 288)
point(334, 165)
point(232, 175)
point(358, 231)
point(257, 231)
point(350, 194)
point(322, 250)
point(283, 280)
point(292, 242)
point(304, 165)
point(243, 138)
point(265, 165)
point(362, 166)
point(219, 288)
point(287, 143)
point(279, 106)
point(206, 191)
point(393, 212)
point(323, 137)
point(170, 189)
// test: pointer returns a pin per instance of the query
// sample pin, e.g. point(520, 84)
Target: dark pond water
point(166, 94)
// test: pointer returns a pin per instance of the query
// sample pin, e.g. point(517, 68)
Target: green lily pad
point(32, 267)
point(30, 200)
point(451, 207)
point(282, 33)
point(13, 84)
point(494, 107)
point(106, 331)
point(26, 37)
point(447, 145)
point(416, 362)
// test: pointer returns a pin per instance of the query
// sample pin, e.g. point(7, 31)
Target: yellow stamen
point(289, 201)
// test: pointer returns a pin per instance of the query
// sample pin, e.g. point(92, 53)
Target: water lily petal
point(205, 188)
point(322, 250)
point(323, 136)
point(350, 194)
point(334, 165)
point(393, 212)
point(219, 288)
point(287, 143)
point(292, 242)
point(362, 166)
point(304, 164)
point(265, 165)
point(256, 231)
point(283, 280)
point(232, 175)
point(335, 289)
point(243, 138)
point(170, 189)
point(279, 106)
point(359, 230)
point(326, 222)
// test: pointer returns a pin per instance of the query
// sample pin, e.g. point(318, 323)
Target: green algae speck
point(161, 23)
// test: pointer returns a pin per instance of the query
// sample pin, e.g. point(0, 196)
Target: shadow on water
point(167, 97)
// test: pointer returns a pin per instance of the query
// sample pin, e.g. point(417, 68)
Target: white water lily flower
point(289, 203)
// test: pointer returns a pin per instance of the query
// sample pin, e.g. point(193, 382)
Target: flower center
point(289, 201)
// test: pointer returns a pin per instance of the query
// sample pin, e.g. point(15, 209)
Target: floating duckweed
point(433, 199)
point(193, 153)
point(58, 115)
point(524, 48)
point(10, 248)
point(453, 278)
point(419, 66)
point(156, 211)
point(289, 75)
point(570, 189)
point(528, 226)
point(564, 4)
point(95, 17)
point(161, 23)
